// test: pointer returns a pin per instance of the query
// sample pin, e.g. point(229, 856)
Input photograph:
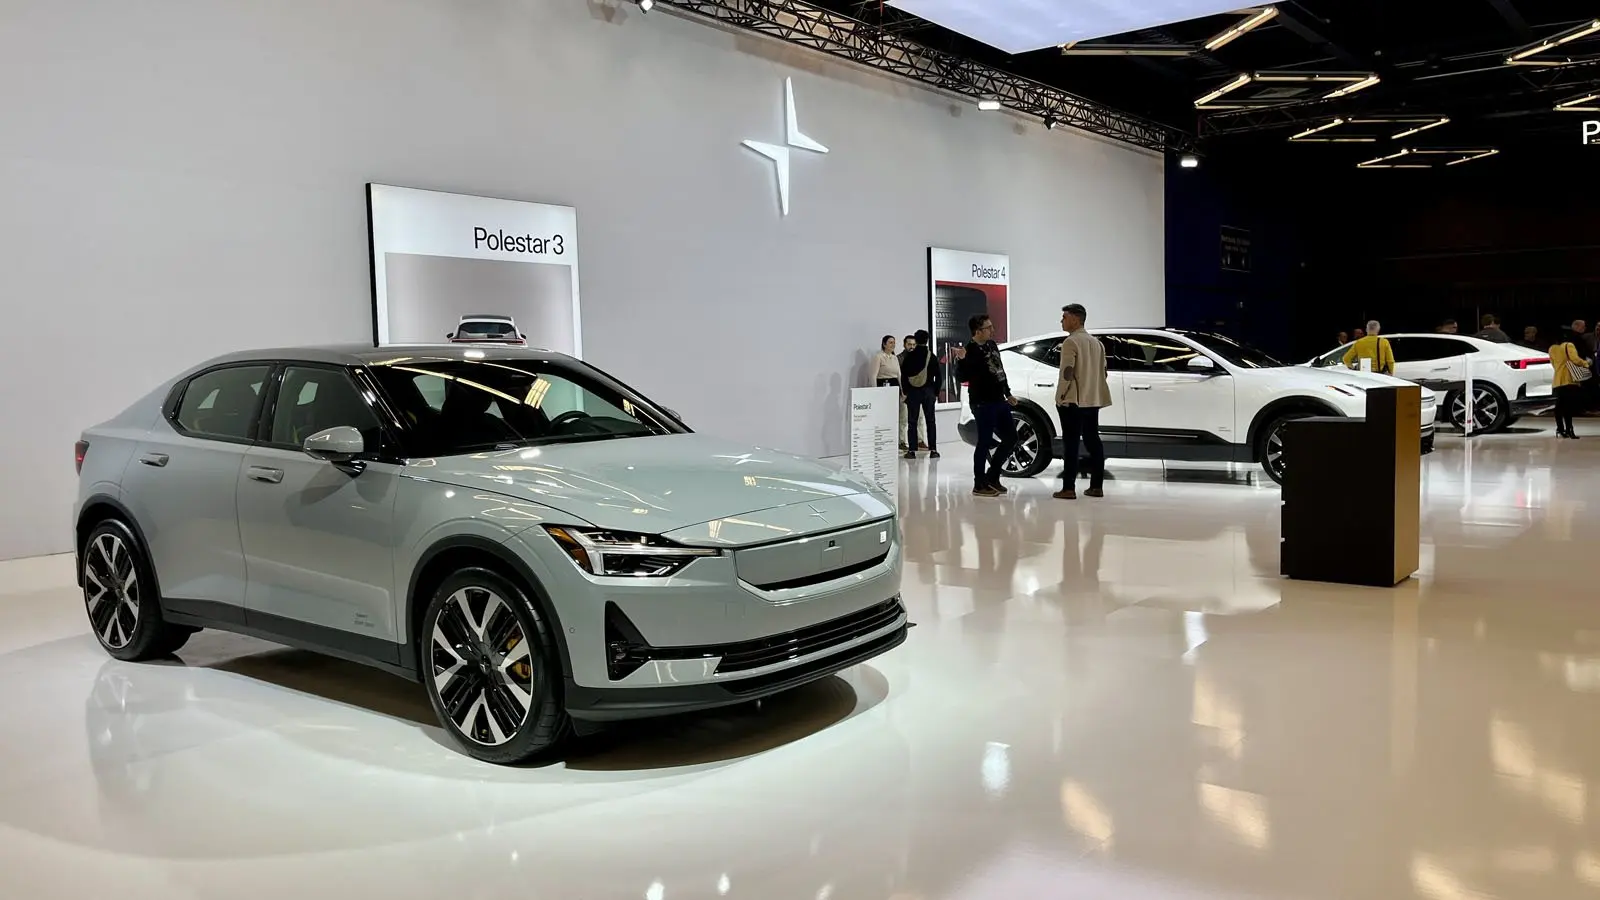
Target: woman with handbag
point(1571, 371)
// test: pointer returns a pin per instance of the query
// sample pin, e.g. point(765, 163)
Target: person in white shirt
point(1081, 392)
point(886, 373)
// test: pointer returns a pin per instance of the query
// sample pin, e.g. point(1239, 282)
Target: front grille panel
point(823, 577)
point(743, 657)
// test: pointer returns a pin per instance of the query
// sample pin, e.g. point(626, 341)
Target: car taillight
point(1530, 361)
point(79, 451)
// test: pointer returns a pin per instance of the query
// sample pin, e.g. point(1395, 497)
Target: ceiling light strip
point(1521, 57)
point(1261, 17)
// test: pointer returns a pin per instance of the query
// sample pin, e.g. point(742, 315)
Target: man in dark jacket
point(919, 379)
point(989, 395)
point(1491, 330)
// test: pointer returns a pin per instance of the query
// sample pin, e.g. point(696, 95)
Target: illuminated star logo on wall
point(779, 153)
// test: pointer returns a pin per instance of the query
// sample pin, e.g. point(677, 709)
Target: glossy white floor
point(1103, 699)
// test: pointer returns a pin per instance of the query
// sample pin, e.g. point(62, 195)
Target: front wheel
point(1034, 452)
point(1270, 451)
point(490, 669)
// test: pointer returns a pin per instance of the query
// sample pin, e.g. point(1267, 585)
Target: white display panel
point(874, 436)
point(1017, 26)
point(439, 257)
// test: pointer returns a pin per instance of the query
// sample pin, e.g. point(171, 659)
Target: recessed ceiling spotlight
point(646, 5)
point(988, 104)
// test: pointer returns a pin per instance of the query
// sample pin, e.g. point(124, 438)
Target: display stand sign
point(962, 285)
point(458, 268)
point(875, 436)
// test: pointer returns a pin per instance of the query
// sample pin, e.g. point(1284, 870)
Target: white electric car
point(1182, 396)
point(1508, 381)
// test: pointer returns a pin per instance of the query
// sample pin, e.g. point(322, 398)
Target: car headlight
point(620, 555)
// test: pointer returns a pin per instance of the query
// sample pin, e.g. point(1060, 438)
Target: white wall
point(185, 177)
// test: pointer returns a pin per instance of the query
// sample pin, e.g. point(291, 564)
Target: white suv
point(1181, 395)
point(1508, 381)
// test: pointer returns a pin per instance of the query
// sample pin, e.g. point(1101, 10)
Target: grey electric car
point(538, 544)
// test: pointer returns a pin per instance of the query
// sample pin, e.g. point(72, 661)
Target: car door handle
point(1044, 384)
point(154, 459)
point(262, 473)
point(1440, 369)
point(1138, 387)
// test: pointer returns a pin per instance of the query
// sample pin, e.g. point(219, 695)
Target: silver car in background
point(539, 545)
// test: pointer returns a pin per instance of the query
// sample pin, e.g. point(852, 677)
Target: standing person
point(1583, 338)
point(1530, 338)
point(989, 394)
point(919, 369)
point(1491, 330)
point(1569, 363)
point(1372, 347)
point(1448, 326)
point(886, 373)
point(1357, 335)
point(909, 345)
point(1081, 392)
point(1344, 338)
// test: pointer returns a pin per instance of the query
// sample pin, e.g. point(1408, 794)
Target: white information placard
point(874, 436)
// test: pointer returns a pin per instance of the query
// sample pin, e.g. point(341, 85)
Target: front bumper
point(802, 656)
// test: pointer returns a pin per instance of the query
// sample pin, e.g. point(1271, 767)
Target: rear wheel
point(119, 595)
point(1490, 411)
point(490, 669)
point(1034, 451)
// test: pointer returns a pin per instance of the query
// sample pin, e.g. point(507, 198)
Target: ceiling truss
point(808, 26)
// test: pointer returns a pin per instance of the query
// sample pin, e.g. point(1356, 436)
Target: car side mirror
point(451, 336)
point(523, 336)
point(1202, 365)
point(340, 444)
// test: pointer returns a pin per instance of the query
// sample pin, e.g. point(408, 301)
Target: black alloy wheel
point(1271, 455)
point(490, 669)
point(1490, 411)
point(1033, 453)
point(120, 598)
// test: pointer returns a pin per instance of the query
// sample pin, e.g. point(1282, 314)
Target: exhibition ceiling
point(1327, 84)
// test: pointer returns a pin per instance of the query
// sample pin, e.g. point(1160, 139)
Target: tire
point(119, 595)
point(1269, 446)
point(490, 668)
point(1035, 446)
point(1492, 411)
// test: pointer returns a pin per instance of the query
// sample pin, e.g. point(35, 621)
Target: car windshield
point(1237, 354)
point(457, 406)
point(486, 329)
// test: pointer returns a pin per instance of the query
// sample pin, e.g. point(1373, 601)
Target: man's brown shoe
point(1094, 492)
point(1067, 494)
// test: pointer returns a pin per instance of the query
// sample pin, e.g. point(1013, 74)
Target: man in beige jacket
point(1081, 392)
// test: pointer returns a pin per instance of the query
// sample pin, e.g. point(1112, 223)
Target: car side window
point(1046, 352)
point(1120, 357)
point(313, 399)
point(1152, 353)
point(222, 403)
point(1424, 349)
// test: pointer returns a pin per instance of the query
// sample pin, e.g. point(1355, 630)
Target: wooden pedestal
point(1352, 493)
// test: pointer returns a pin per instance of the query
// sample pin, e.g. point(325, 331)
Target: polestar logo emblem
point(817, 513)
point(779, 153)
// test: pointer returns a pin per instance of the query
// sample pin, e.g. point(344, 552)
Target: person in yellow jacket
point(1371, 347)
point(1568, 362)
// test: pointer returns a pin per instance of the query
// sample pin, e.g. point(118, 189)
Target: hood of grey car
point(672, 484)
